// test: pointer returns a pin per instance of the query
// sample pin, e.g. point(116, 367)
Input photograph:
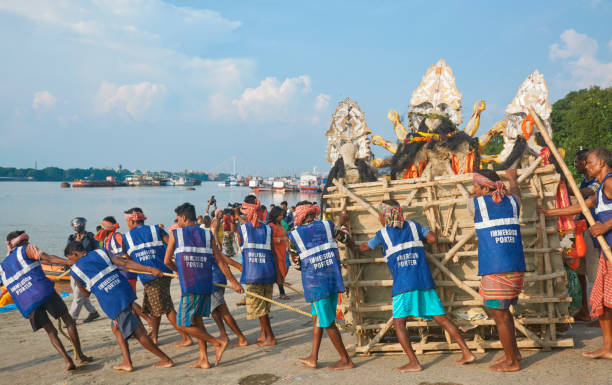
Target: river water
point(44, 209)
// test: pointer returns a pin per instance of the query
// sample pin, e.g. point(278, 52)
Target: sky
point(173, 85)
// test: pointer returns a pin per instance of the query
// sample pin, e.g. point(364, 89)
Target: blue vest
point(114, 249)
point(405, 255)
point(100, 277)
point(603, 209)
point(258, 264)
point(217, 274)
point(500, 245)
point(194, 259)
point(321, 274)
point(25, 280)
point(144, 245)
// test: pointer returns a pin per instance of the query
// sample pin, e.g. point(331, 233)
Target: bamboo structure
point(440, 204)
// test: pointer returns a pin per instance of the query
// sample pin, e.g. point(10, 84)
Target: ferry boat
point(278, 186)
point(138, 180)
point(310, 182)
point(108, 182)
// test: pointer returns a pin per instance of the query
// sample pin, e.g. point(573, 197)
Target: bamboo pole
point(381, 334)
point(348, 192)
point(605, 247)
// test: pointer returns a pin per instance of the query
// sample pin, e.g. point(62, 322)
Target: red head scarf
point(107, 229)
point(251, 212)
point(498, 189)
point(13, 243)
point(302, 211)
point(394, 215)
point(136, 216)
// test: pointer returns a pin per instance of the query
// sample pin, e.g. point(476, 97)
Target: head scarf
point(107, 229)
point(394, 215)
point(498, 189)
point(302, 211)
point(135, 216)
point(218, 213)
point(13, 243)
point(251, 212)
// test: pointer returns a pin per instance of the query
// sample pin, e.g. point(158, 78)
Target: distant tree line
point(55, 174)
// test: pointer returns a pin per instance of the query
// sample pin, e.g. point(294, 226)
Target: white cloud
point(43, 99)
point(322, 102)
point(273, 100)
point(133, 99)
point(579, 51)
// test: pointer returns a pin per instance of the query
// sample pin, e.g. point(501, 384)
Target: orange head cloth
point(251, 212)
point(107, 228)
point(498, 189)
point(302, 211)
point(135, 216)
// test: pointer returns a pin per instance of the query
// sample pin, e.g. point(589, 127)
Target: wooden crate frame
point(440, 204)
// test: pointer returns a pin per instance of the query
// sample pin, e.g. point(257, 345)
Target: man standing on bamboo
point(314, 242)
point(501, 261)
point(598, 165)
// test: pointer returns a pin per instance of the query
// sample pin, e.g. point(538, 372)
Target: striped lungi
point(501, 285)
point(601, 295)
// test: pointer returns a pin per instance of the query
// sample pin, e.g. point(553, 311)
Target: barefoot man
point(34, 294)
point(598, 165)
point(195, 252)
point(95, 273)
point(501, 261)
point(414, 292)
point(315, 243)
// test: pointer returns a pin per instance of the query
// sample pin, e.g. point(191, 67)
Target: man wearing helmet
point(89, 243)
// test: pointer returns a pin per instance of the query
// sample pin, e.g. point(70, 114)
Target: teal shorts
point(417, 303)
point(191, 306)
point(325, 310)
point(500, 304)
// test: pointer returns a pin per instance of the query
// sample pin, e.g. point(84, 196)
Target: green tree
point(582, 119)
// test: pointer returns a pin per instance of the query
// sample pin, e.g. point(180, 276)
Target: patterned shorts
point(157, 300)
point(257, 308)
point(217, 298)
point(228, 244)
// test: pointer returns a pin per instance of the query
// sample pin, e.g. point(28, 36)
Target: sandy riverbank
point(28, 358)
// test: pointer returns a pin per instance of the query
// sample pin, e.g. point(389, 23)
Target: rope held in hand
point(252, 295)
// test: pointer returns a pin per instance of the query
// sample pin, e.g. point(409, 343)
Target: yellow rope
point(254, 295)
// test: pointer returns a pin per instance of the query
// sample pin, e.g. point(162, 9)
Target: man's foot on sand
point(410, 367)
point(284, 297)
point(83, 359)
point(599, 353)
point(240, 343)
point(506, 367)
point(309, 362)
point(466, 358)
point(126, 367)
point(267, 342)
point(70, 365)
point(219, 350)
point(503, 358)
point(200, 364)
point(183, 343)
point(342, 365)
point(164, 364)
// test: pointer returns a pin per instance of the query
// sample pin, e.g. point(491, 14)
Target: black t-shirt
point(88, 241)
